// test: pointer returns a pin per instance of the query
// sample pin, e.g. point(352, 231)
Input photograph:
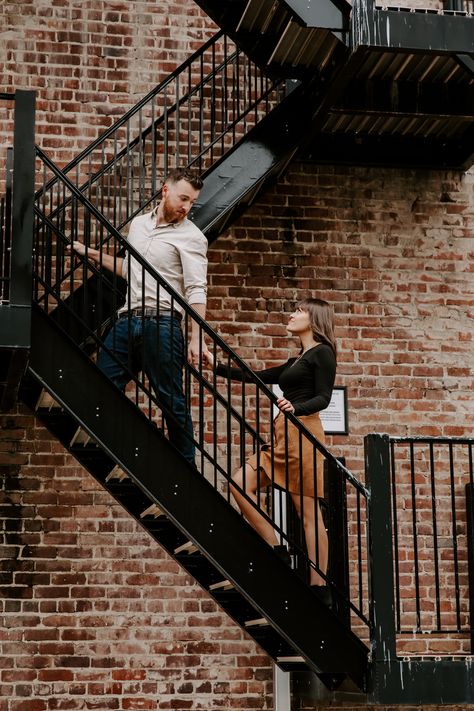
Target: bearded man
point(147, 335)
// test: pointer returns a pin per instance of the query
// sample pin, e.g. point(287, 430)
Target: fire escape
point(325, 79)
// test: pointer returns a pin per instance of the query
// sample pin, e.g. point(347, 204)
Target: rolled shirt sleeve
point(194, 262)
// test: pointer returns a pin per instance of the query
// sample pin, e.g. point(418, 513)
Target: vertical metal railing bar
point(303, 511)
point(177, 104)
point(395, 536)
point(415, 537)
point(229, 426)
point(212, 117)
point(470, 463)
point(109, 192)
point(435, 533)
point(315, 506)
point(141, 160)
point(190, 114)
point(215, 422)
point(242, 440)
point(454, 534)
point(7, 224)
point(127, 171)
point(115, 186)
point(359, 552)
point(201, 113)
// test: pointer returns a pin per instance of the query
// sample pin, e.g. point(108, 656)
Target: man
point(147, 335)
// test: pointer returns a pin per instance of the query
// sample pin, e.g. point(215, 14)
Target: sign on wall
point(334, 417)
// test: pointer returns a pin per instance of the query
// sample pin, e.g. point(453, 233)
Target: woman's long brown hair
point(321, 317)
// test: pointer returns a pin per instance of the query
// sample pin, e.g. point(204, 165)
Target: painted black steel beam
point(423, 682)
point(414, 31)
point(392, 151)
point(23, 197)
point(408, 97)
point(324, 14)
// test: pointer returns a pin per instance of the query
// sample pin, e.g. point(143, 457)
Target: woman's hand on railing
point(285, 405)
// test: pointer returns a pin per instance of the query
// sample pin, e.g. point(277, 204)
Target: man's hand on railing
point(198, 353)
point(108, 261)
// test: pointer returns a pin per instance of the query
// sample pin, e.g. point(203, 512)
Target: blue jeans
point(156, 347)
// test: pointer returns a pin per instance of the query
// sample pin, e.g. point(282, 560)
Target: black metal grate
point(428, 479)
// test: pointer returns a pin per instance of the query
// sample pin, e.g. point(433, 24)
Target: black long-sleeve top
point(305, 381)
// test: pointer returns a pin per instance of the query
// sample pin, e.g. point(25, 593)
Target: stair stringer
point(193, 505)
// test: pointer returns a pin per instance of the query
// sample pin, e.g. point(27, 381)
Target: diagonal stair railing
point(193, 117)
point(231, 421)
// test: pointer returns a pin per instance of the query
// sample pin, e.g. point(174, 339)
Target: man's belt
point(147, 312)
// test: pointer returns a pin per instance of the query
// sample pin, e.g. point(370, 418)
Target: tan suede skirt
point(298, 467)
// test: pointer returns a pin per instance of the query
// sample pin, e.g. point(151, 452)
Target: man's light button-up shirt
point(177, 252)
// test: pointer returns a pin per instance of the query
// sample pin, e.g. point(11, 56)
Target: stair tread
point(46, 401)
point(80, 437)
point(117, 473)
point(153, 510)
point(188, 547)
point(222, 585)
point(258, 622)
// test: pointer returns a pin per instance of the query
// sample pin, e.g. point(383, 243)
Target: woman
point(306, 382)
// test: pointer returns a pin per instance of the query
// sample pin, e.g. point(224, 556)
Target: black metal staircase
point(186, 510)
point(192, 521)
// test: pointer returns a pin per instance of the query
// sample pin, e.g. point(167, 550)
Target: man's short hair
point(190, 176)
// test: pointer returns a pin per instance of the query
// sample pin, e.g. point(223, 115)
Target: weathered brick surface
point(90, 62)
point(94, 614)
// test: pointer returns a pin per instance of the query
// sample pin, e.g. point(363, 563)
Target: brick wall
point(91, 61)
point(94, 614)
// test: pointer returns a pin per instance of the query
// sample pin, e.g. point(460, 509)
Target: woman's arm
point(269, 375)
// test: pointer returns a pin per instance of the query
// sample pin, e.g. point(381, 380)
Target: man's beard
point(171, 216)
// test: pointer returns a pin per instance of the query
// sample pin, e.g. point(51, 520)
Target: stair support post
point(382, 597)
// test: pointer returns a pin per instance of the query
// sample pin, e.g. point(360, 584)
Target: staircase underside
point(399, 108)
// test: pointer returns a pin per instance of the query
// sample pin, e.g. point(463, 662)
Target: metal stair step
point(222, 585)
point(188, 547)
point(81, 437)
point(259, 622)
point(290, 663)
point(46, 402)
point(117, 473)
